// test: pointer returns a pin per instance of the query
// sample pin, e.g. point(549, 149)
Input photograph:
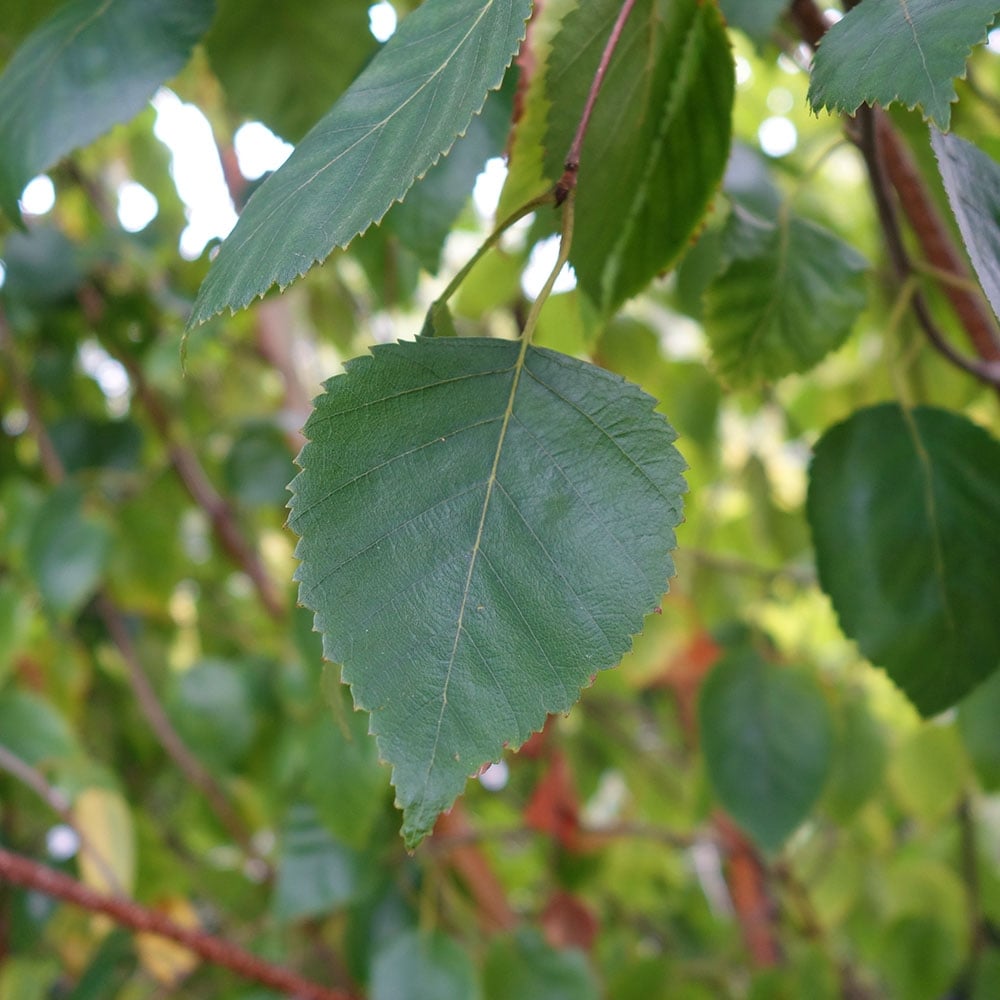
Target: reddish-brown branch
point(572, 165)
point(19, 870)
point(748, 886)
point(469, 862)
point(887, 155)
point(934, 239)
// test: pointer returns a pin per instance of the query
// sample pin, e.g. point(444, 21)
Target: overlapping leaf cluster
point(486, 514)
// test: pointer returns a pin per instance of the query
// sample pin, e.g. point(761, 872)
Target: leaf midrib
point(518, 368)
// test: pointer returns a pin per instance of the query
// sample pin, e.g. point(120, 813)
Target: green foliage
point(657, 148)
point(912, 581)
point(423, 966)
point(419, 93)
point(899, 50)
point(789, 294)
point(485, 516)
point(91, 65)
point(496, 522)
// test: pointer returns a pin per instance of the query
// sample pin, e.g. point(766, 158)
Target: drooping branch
point(17, 869)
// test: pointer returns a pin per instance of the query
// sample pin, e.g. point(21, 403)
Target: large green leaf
point(92, 64)
point(401, 114)
point(789, 296)
point(481, 532)
point(899, 50)
point(67, 551)
point(657, 143)
point(972, 181)
point(768, 741)
point(904, 508)
point(286, 63)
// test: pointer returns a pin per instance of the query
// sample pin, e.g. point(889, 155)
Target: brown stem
point(19, 870)
point(469, 862)
point(35, 780)
point(572, 164)
point(747, 879)
point(168, 737)
point(935, 241)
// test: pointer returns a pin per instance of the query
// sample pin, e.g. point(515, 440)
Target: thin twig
point(19, 870)
point(34, 779)
point(572, 164)
point(193, 477)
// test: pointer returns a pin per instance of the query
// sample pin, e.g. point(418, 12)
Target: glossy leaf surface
point(657, 143)
point(899, 50)
point(402, 113)
point(768, 740)
point(789, 295)
point(972, 181)
point(480, 534)
point(905, 516)
point(93, 64)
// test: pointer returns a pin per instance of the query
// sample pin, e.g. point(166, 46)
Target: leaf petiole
point(527, 208)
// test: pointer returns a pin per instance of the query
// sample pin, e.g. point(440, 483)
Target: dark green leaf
point(789, 295)
point(755, 17)
point(658, 139)
point(899, 50)
point(86, 443)
point(285, 64)
point(213, 711)
point(344, 781)
point(94, 63)
point(905, 514)
point(524, 967)
point(401, 114)
point(972, 181)
point(481, 532)
point(768, 740)
point(67, 551)
point(315, 874)
point(423, 966)
point(32, 729)
point(258, 467)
